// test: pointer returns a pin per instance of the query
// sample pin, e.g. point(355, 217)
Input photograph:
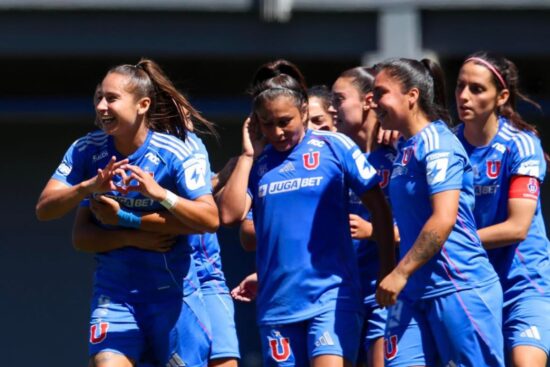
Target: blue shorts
point(373, 328)
point(461, 328)
point(332, 332)
point(174, 332)
point(527, 322)
point(222, 319)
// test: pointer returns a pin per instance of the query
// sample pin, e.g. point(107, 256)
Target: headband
point(489, 66)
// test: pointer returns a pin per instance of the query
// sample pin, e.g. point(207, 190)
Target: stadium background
point(53, 53)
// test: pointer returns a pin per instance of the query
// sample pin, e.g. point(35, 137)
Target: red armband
point(524, 187)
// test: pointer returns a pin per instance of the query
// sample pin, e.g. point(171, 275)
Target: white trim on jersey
point(193, 142)
point(430, 136)
point(524, 142)
point(348, 143)
point(96, 138)
point(173, 141)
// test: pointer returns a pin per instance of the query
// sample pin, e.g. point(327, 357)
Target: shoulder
point(91, 141)
point(524, 143)
point(437, 137)
point(172, 145)
point(333, 138)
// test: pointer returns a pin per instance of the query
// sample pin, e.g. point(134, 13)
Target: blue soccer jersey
point(367, 250)
point(182, 167)
point(523, 268)
point(305, 259)
point(430, 162)
point(208, 263)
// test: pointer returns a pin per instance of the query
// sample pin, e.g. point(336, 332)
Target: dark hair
point(278, 78)
point(427, 76)
point(362, 78)
point(509, 73)
point(170, 111)
point(323, 94)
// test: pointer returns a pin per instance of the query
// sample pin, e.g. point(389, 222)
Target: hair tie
point(489, 66)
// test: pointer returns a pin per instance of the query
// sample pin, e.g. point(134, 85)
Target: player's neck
point(481, 133)
point(129, 144)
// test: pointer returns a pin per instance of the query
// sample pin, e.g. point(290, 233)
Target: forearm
point(383, 234)
point(165, 222)
point(92, 238)
point(428, 243)
point(197, 216)
point(501, 235)
point(55, 203)
point(233, 198)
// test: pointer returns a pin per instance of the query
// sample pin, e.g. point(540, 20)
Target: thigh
point(179, 331)
point(284, 345)
point(335, 332)
point(408, 340)
point(527, 323)
point(219, 308)
point(468, 326)
point(114, 328)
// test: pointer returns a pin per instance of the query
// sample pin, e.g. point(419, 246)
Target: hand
point(253, 140)
point(102, 182)
point(247, 290)
point(387, 137)
point(105, 209)
point(389, 288)
point(360, 228)
point(146, 184)
point(151, 241)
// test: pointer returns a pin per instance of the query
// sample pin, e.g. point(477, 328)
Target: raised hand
point(102, 182)
point(146, 184)
point(253, 140)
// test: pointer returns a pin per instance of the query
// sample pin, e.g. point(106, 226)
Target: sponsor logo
point(131, 202)
point(399, 171)
point(153, 158)
point(485, 190)
point(195, 172)
point(311, 160)
point(529, 168)
point(64, 169)
point(499, 147)
point(175, 361)
point(97, 157)
point(294, 184)
point(317, 143)
point(436, 167)
point(493, 169)
point(98, 332)
point(366, 171)
point(324, 339)
point(288, 167)
point(280, 347)
point(532, 332)
point(262, 169)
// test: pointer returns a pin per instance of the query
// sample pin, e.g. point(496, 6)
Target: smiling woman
point(142, 184)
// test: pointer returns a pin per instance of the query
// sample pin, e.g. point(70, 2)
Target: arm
point(247, 235)
point(234, 200)
point(382, 224)
point(514, 229)
point(247, 289)
point(106, 210)
point(89, 237)
point(433, 235)
point(58, 198)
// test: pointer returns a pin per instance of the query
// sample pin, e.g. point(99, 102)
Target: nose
point(462, 94)
point(101, 104)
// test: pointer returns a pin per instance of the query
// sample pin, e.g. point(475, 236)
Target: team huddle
point(383, 236)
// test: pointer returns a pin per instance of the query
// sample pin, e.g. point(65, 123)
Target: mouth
point(106, 120)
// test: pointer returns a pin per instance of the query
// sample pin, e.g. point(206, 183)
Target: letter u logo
point(94, 337)
point(280, 349)
point(493, 169)
point(390, 347)
point(311, 160)
point(385, 175)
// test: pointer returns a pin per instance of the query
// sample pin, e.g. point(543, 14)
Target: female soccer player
point(297, 181)
point(321, 111)
point(509, 167)
point(144, 301)
point(450, 300)
point(353, 101)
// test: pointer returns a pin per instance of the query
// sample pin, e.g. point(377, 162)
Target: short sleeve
point(444, 170)
point(527, 157)
point(193, 176)
point(71, 169)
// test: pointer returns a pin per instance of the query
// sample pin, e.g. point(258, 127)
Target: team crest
point(311, 160)
point(385, 176)
point(390, 347)
point(493, 169)
point(97, 336)
point(280, 347)
point(533, 186)
point(407, 154)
